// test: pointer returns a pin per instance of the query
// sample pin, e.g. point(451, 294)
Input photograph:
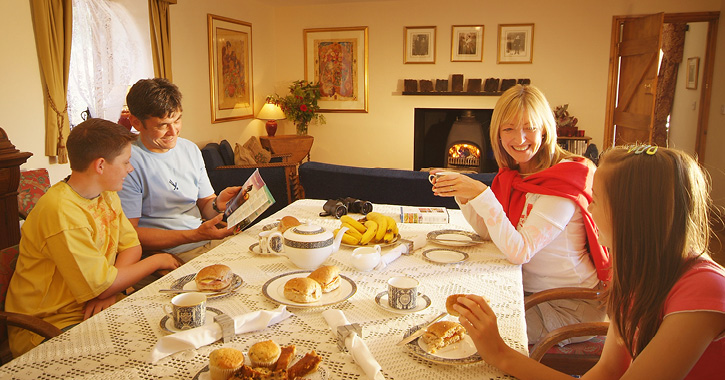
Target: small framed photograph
point(337, 59)
point(515, 43)
point(230, 69)
point(420, 44)
point(693, 71)
point(467, 43)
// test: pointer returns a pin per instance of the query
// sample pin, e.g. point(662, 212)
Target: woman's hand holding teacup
point(463, 187)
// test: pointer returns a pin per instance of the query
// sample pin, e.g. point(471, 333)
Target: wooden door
point(634, 61)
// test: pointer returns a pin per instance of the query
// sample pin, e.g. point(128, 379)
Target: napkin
point(355, 345)
point(402, 249)
point(208, 334)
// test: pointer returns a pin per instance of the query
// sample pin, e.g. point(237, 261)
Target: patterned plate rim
point(425, 255)
point(311, 305)
point(181, 281)
point(165, 318)
point(382, 245)
point(415, 349)
point(320, 369)
point(475, 239)
point(380, 295)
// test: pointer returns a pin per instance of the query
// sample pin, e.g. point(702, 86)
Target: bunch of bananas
point(375, 228)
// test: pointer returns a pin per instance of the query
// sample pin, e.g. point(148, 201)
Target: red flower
point(303, 107)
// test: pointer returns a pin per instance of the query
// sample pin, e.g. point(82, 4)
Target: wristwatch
point(214, 206)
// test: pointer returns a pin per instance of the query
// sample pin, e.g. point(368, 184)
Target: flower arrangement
point(300, 106)
point(565, 123)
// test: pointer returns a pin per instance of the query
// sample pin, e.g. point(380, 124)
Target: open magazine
point(249, 203)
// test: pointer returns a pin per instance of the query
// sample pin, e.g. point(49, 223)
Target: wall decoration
point(515, 43)
point(420, 44)
point(337, 59)
point(467, 43)
point(693, 71)
point(230, 69)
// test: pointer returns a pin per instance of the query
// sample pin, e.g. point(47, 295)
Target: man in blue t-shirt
point(168, 198)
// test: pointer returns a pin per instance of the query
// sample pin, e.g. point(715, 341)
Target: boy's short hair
point(156, 97)
point(96, 138)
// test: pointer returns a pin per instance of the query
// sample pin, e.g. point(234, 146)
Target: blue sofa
point(378, 185)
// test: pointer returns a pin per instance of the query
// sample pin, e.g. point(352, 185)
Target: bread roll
point(327, 276)
point(214, 277)
point(452, 300)
point(302, 290)
point(443, 333)
point(287, 222)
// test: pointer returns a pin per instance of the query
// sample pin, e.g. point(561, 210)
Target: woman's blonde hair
point(517, 105)
point(659, 207)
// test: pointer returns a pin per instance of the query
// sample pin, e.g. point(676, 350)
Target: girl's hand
point(480, 321)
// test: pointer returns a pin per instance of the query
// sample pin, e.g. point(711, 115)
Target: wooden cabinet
point(10, 161)
point(298, 146)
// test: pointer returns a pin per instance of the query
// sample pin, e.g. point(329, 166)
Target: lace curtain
point(104, 47)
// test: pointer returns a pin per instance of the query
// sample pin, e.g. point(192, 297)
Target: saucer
point(382, 300)
point(254, 248)
point(445, 255)
point(167, 324)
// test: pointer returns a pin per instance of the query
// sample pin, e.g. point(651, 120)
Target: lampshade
point(270, 111)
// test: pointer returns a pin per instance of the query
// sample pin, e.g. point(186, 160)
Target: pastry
point(214, 277)
point(285, 358)
point(304, 366)
point(302, 290)
point(287, 222)
point(264, 354)
point(452, 300)
point(223, 362)
point(443, 333)
point(327, 276)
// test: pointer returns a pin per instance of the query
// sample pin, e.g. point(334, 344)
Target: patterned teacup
point(188, 310)
point(403, 292)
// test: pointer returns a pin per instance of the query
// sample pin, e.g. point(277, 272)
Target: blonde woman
point(536, 209)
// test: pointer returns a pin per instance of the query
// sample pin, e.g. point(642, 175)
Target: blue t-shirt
point(163, 189)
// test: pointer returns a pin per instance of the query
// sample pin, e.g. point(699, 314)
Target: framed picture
point(515, 43)
point(230, 69)
point(420, 44)
point(693, 71)
point(467, 43)
point(337, 58)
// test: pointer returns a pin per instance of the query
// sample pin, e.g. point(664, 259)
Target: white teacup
point(435, 176)
point(365, 258)
point(264, 242)
point(188, 310)
point(403, 292)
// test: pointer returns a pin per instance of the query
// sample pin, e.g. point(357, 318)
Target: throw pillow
point(261, 155)
point(243, 156)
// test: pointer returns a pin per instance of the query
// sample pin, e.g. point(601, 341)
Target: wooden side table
point(298, 146)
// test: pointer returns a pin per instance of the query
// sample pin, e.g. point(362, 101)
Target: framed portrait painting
point(230, 69)
point(420, 44)
point(337, 59)
point(467, 43)
point(515, 43)
point(693, 71)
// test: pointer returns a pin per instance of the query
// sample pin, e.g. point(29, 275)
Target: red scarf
point(570, 180)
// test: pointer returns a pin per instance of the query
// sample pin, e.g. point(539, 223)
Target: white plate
point(461, 352)
point(320, 374)
point(445, 255)
point(455, 238)
point(167, 323)
point(187, 283)
point(382, 300)
point(274, 290)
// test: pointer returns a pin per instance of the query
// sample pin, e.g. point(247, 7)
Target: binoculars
point(341, 206)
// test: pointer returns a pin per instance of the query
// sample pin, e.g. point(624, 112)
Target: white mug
point(403, 292)
point(188, 310)
point(439, 174)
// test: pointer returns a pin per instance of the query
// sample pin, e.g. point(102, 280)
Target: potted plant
point(565, 123)
point(300, 106)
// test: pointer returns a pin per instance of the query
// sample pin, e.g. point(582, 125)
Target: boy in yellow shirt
point(78, 250)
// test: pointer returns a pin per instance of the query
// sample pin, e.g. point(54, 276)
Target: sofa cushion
point(227, 153)
point(243, 156)
point(33, 184)
point(261, 155)
point(211, 155)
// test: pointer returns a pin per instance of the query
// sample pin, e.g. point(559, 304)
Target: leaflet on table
point(428, 215)
point(249, 203)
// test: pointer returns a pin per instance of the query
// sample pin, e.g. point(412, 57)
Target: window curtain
point(673, 42)
point(160, 37)
point(52, 26)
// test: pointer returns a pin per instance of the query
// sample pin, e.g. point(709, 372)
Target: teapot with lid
point(307, 245)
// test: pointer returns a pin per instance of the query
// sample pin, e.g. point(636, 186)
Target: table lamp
point(271, 112)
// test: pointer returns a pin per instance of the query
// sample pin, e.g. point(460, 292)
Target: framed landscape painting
point(337, 58)
point(467, 43)
point(515, 43)
point(230, 69)
point(420, 44)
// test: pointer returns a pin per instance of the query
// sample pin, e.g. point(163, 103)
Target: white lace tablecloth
point(115, 344)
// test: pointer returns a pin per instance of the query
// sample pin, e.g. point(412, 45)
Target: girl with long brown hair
point(667, 296)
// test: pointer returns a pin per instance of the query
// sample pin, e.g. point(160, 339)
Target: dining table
point(117, 343)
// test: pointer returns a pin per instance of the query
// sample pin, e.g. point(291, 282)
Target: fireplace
point(453, 138)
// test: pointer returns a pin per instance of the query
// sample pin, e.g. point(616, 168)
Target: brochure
point(428, 215)
point(249, 203)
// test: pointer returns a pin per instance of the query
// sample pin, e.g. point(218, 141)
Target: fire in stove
point(464, 154)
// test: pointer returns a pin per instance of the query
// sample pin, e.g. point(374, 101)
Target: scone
point(443, 333)
point(214, 277)
point(452, 300)
point(223, 362)
point(287, 222)
point(302, 290)
point(327, 276)
point(264, 354)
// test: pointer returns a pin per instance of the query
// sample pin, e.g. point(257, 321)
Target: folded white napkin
point(210, 333)
point(355, 345)
point(402, 249)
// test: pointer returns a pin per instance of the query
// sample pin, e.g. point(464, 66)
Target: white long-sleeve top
point(550, 239)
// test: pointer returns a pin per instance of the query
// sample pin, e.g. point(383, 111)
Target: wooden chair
point(575, 358)
point(8, 259)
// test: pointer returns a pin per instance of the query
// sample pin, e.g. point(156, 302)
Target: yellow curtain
point(160, 37)
point(52, 25)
